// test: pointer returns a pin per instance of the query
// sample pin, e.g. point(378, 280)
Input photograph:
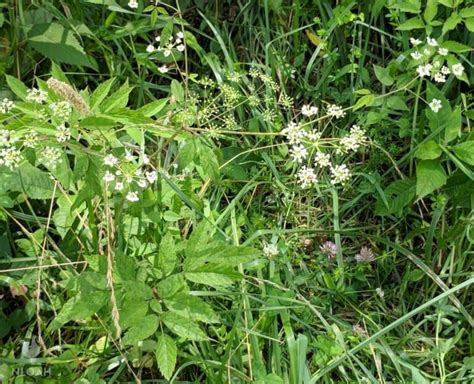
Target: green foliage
point(269, 192)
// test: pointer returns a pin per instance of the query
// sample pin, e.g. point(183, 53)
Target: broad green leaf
point(454, 46)
point(453, 125)
point(17, 87)
point(183, 327)
point(465, 151)
point(212, 279)
point(101, 92)
point(171, 285)
point(146, 328)
point(430, 176)
point(469, 23)
point(167, 254)
point(30, 180)
point(177, 91)
point(431, 10)
point(58, 44)
point(80, 307)
point(166, 354)
point(447, 3)
point(411, 6)
point(397, 103)
point(132, 311)
point(428, 151)
point(200, 237)
point(410, 24)
point(192, 307)
point(118, 99)
point(383, 75)
point(364, 101)
point(467, 12)
point(153, 108)
point(451, 22)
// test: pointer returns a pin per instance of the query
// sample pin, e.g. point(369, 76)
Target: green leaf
point(118, 99)
point(167, 254)
point(101, 92)
point(153, 108)
point(410, 24)
point(467, 12)
point(428, 151)
point(17, 87)
point(465, 151)
point(147, 327)
point(80, 307)
point(397, 103)
point(469, 23)
point(431, 10)
point(383, 75)
point(451, 22)
point(132, 311)
point(453, 125)
point(183, 327)
point(364, 101)
point(171, 285)
point(192, 307)
point(177, 91)
point(30, 180)
point(454, 46)
point(58, 44)
point(214, 278)
point(447, 3)
point(166, 354)
point(430, 176)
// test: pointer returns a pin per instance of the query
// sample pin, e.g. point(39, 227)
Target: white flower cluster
point(61, 109)
point(36, 96)
point(437, 69)
point(167, 47)
point(133, 4)
point(50, 157)
point(6, 105)
point(354, 140)
point(128, 174)
point(10, 156)
point(301, 141)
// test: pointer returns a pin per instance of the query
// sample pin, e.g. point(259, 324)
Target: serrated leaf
point(465, 151)
point(428, 151)
point(430, 176)
point(192, 307)
point(101, 92)
point(469, 23)
point(177, 91)
point(80, 307)
point(410, 24)
point(451, 22)
point(166, 354)
point(431, 10)
point(216, 279)
point(183, 327)
point(454, 46)
point(399, 194)
point(118, 99)
point(365, 100)
point(167, 254)
point(58, 43)
point(30, 180)
point(132, 311)
point(147, 327)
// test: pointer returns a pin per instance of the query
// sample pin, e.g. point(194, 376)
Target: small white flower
point(31, 139)
point(380, 292)
point(437, 64)
point(294, 133)
point(163, 69)
point(157, 38)
point(180, 35)
point(335, 111)
point(424, 70)
point(445, 70)
point(457, 69)
point(5, 138)
point(6, 105)
point(10, 157)
point(416, 55)
point(142, 183)
point(132, 196)
point(415, 42)
point(427, 52)
point(63, 134)
point(308, 110)
point(133, 4)
point(150, 48)
point(50, 156)
point(322, 160)
point(36, 95)
point(128, 155)
point(270, 250)
point(145, 159)
point(440, 78)
point(111, 160)
point(443, 51)
point(431, 42)
point(108, 177)
point(314, 136)
point(151, 176)
point(61, 109)
point(119, 186)
point(306, 176)
point(340, 174)
point(298, 153)
point(181, 47)
point(435, 105)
